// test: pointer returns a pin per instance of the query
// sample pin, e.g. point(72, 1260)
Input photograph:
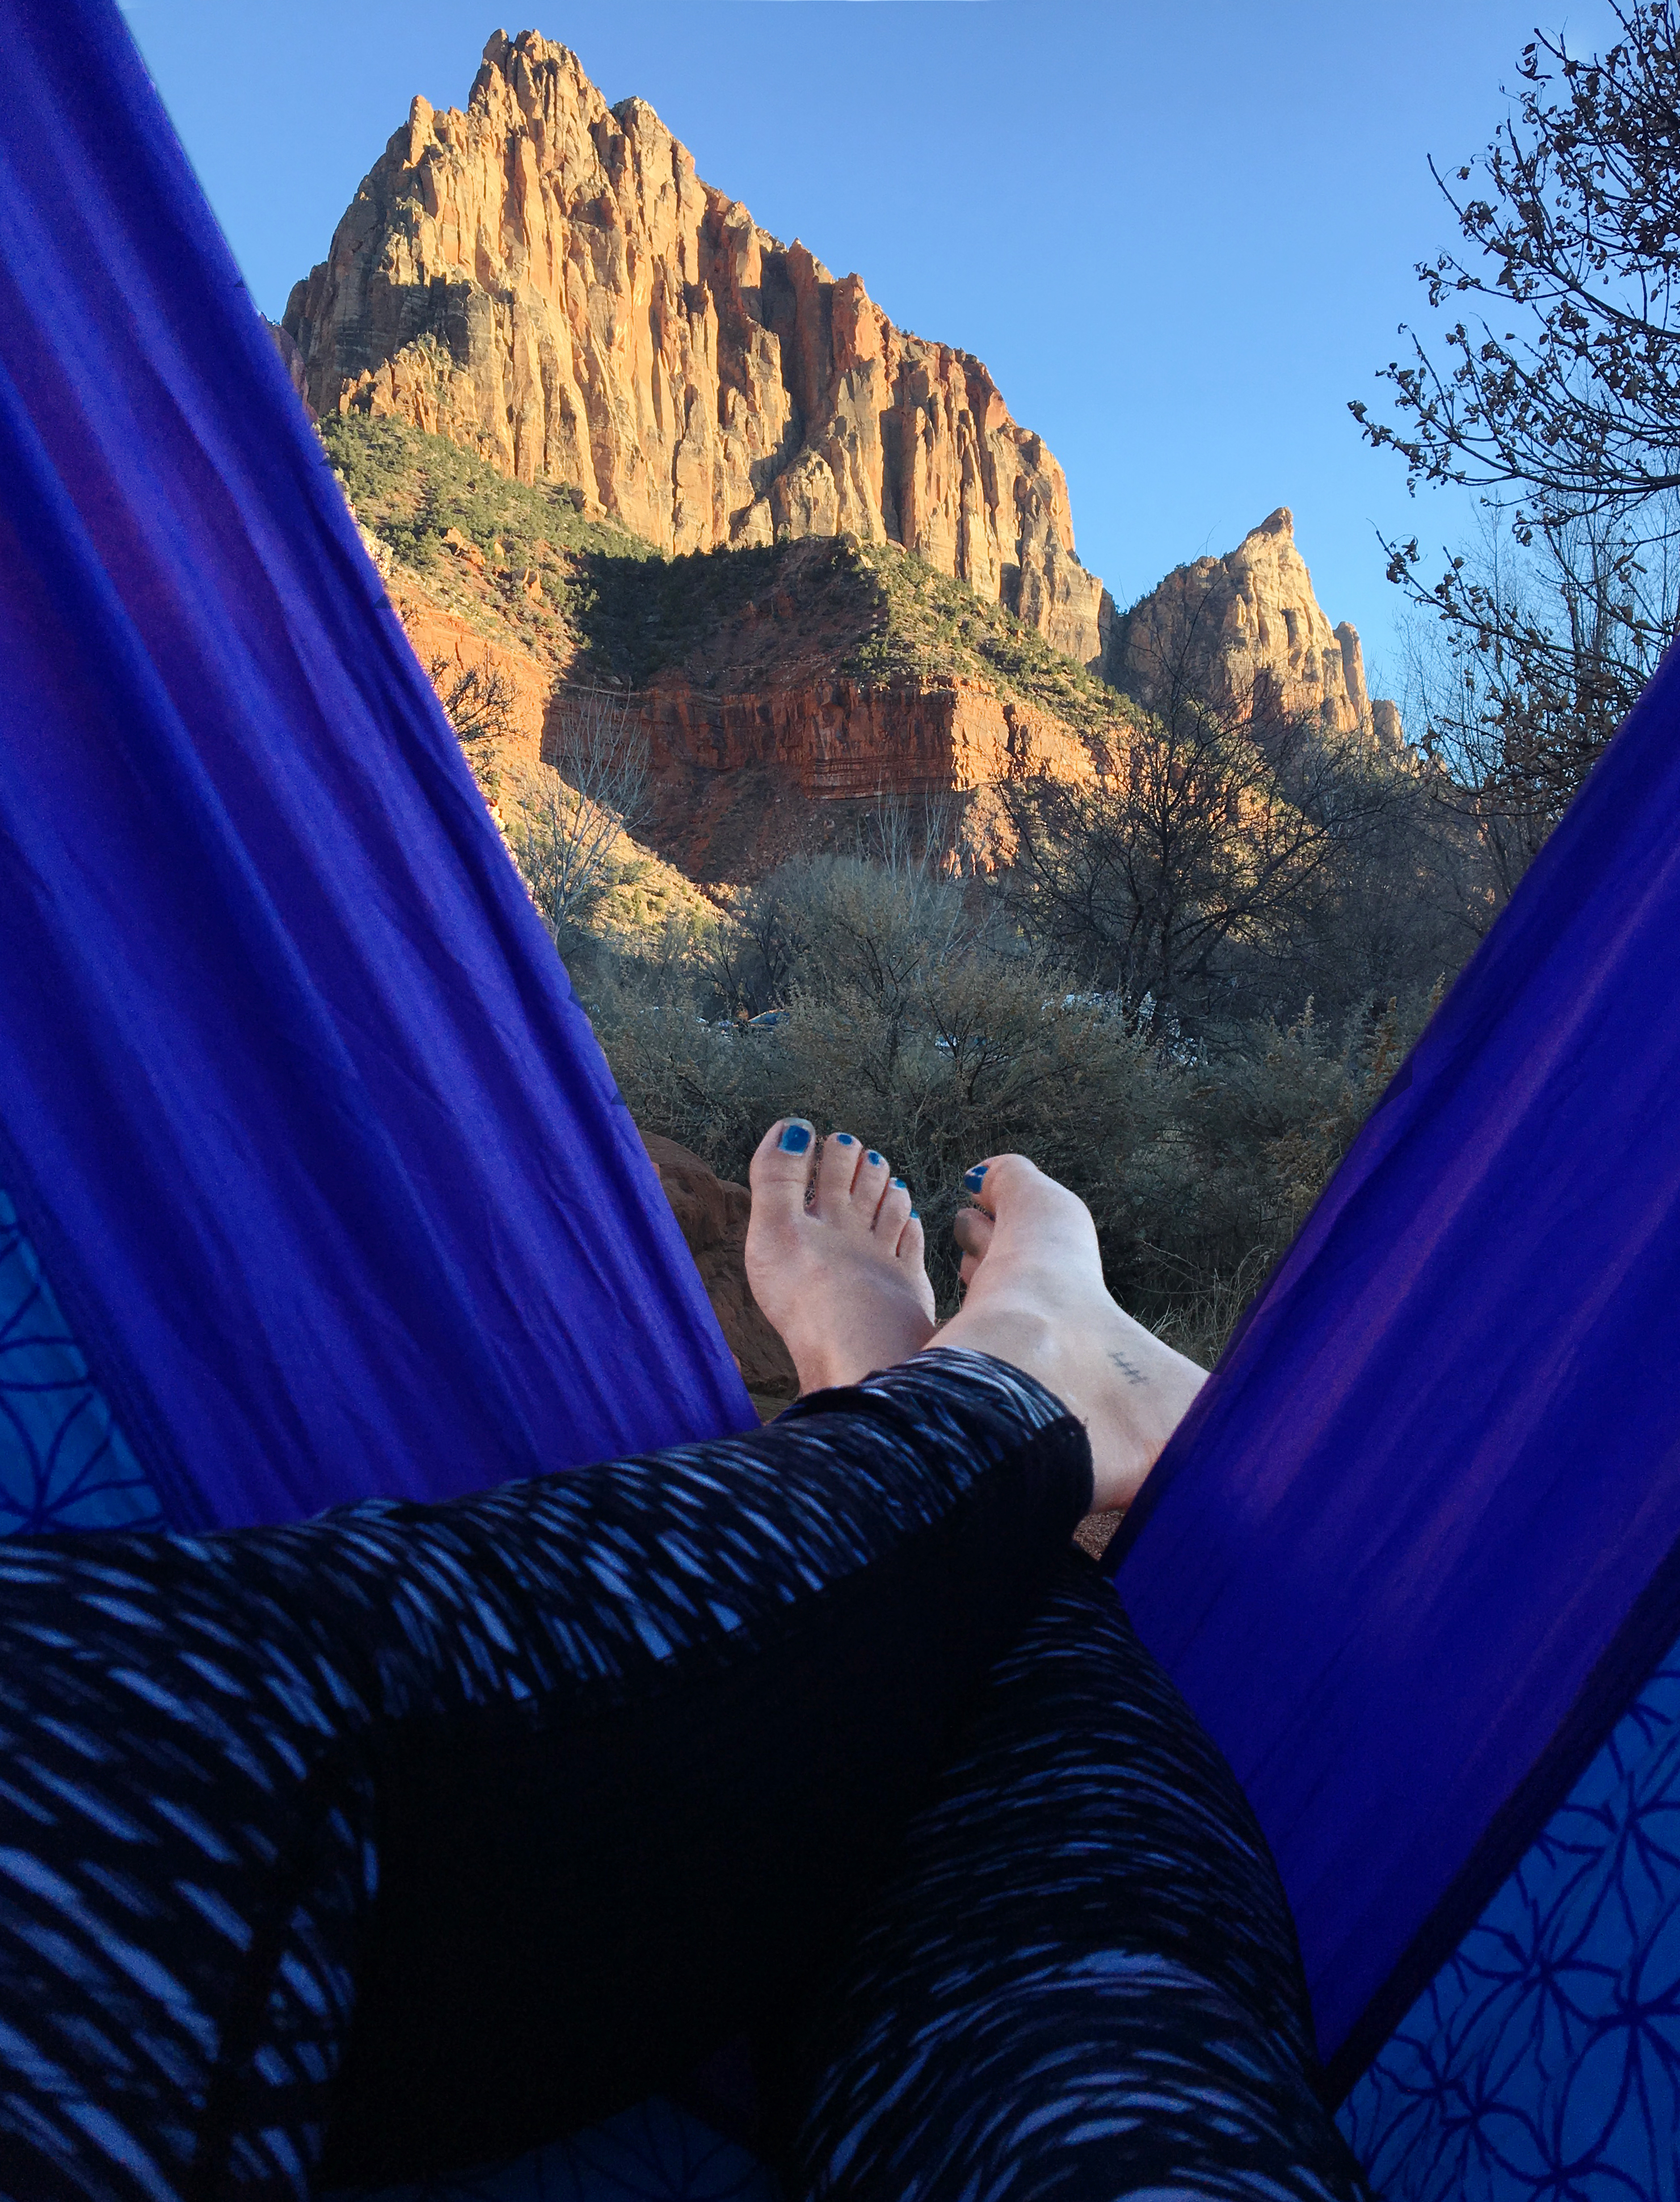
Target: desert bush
point(1259, 1120)
point(478, 702)
point(912, 1018)
point(917, 1020)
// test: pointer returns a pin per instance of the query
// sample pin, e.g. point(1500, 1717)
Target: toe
point(972, 1229)
point(870, 1186)
point(894, 1213)
point(975, 1182)
point(1000, 1178)
point(842, 1154)
point(780, 1170)
point(911, 1256)
point(1028, 1207)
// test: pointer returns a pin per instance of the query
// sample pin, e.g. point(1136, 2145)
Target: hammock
point(313, 1184)
point(320, 1156)
point(1414, 1557)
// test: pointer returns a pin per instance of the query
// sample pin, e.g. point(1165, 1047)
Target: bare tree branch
point(1558, 396)
point(568, 818)
point(1212, 827)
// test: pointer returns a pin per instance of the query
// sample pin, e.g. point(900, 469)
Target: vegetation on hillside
point(871, 611)
point(928, 623)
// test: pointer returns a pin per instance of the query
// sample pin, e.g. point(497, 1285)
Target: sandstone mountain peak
point(545, 280)
point(1232, 629)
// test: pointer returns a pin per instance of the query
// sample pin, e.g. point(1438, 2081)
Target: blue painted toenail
point(974, 1179)
point(845, 1139)
point(872, 1157)
point(900, 1185)
point(916, 1215)
point(795, 1138)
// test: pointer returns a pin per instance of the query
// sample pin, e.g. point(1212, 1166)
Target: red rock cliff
point(545, 282)
point(741, 779)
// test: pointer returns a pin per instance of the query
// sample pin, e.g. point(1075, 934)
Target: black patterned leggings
point(403, 1839)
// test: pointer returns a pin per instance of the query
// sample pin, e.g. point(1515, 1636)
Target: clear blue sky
point(1180, 232)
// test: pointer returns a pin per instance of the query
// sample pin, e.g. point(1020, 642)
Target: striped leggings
point(405, 1838)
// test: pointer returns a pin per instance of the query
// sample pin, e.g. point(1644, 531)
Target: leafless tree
point(569, 816)
point(1215, 822)
point(909, 835)
point(750, 957)
point(1558, 396)
point(477, 699)
point(478, 702)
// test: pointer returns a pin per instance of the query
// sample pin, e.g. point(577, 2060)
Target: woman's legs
point(448, 1828)
point(1081, 1980)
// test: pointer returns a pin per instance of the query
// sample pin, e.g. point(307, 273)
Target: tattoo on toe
point(1129, 1369)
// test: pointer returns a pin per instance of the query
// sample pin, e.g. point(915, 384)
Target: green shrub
point(916, 1019)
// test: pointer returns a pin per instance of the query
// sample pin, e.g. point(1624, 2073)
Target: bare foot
point(1036, 1297)
point(840, 1277)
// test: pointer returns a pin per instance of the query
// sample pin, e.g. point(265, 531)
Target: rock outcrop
point(777, 722)
point(742, 780)
point(1245, 632)
point(545, 282)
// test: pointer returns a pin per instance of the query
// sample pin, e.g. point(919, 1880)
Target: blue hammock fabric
point(324, 1165)
point(1543, 2060)
point(1414, 1552)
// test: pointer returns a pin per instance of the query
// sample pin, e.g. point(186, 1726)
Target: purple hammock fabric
point(1415, 1549)
point(326, 1167)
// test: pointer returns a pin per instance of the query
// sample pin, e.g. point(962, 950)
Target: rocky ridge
point(546, 282)
point(786, 690)
point(1245, 632)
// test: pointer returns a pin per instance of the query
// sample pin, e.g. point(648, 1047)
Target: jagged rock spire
point(546, 281)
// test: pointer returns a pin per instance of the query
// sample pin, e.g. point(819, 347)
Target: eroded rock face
point(546, 282)
point(739, 778)
point(1247, 628)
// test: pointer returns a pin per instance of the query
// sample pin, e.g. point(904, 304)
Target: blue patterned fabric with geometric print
point(64, 1465)
point(1542, 2062)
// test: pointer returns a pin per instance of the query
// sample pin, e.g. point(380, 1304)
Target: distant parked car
point(766, 1021)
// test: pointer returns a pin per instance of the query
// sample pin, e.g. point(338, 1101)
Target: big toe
point(972, 1229)
point(780, 1170)
point(1025, 1205)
